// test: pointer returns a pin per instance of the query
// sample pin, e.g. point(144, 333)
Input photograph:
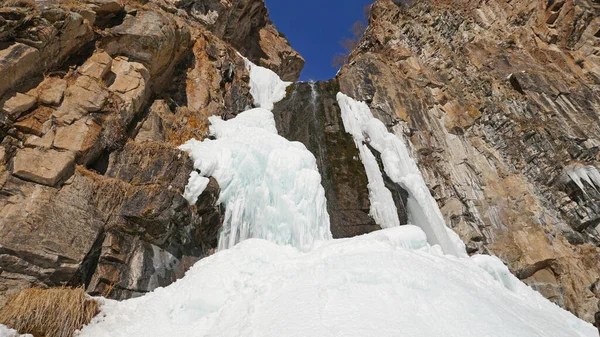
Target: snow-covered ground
point(6, 332)
point(388, 283)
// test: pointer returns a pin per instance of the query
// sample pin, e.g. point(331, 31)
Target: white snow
point(6, 332)
point(271, 187)
point(265, 86)
point(196, 185)
point(388, 283)
point(422, 209)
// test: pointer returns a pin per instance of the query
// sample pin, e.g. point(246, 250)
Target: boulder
point(51, 90)
point(18, 104)
point(80, 138)
point(149, 37)
point(17, 62)
point(46, 167)
point(97, 66)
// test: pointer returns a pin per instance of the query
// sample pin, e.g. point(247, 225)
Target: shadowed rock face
point(500, 101)
point(311, 115)
point(91, 181)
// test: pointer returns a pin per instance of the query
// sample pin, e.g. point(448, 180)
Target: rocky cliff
point(500, 102)
point(95, 98)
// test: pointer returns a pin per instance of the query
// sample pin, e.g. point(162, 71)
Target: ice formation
point(388, 283)
point(271, 187)
point(580, 173)
point(423, 210)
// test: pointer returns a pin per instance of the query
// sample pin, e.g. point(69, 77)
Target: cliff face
point(500, 101)
point(95, 97)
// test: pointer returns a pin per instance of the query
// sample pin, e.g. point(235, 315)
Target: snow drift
point(388, 283)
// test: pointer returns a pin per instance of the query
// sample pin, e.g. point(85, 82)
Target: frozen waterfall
point(298, 282)
point(270, 187)
point(423, 210)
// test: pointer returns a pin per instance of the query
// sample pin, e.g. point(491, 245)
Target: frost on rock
point(271, 187)
point(388, 283)
point(422, 209)
point(579, 173)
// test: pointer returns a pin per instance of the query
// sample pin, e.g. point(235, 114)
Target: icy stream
point(296, 281)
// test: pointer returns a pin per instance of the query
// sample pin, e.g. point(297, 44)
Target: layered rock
point(500, 101)
point(95, 100)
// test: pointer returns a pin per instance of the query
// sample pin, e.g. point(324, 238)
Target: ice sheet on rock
point(388, 283)
point(271, 187)
point(196, 185)
point(6, 332)
point(423, 210)
point(265, 86)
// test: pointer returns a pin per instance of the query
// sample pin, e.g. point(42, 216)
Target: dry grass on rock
point(18, 3)
point(55, 312)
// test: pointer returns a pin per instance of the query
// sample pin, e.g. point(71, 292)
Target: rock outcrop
point(500, 101)
point(95, 98)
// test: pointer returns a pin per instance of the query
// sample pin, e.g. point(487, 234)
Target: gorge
point(137, 141)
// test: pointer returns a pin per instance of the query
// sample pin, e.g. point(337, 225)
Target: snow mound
point(388, 283)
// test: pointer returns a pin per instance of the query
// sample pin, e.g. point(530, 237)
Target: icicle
point(579, 173)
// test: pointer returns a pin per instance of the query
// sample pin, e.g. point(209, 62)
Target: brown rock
point(131, 85)
point(97, 66)
point(51, 91)
point(150, 37)
point(87, 93)
point(18, 104)
point(80, 138)
point(43, 167)
point(16, 63)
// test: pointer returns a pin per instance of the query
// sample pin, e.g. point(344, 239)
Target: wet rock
point(310, 114)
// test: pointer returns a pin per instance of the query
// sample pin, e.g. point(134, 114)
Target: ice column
point(271, 187)
point(423, 210)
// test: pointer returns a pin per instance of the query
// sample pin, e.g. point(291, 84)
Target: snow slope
point(388, 283)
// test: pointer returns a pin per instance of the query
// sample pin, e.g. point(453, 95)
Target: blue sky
point(314, 28)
